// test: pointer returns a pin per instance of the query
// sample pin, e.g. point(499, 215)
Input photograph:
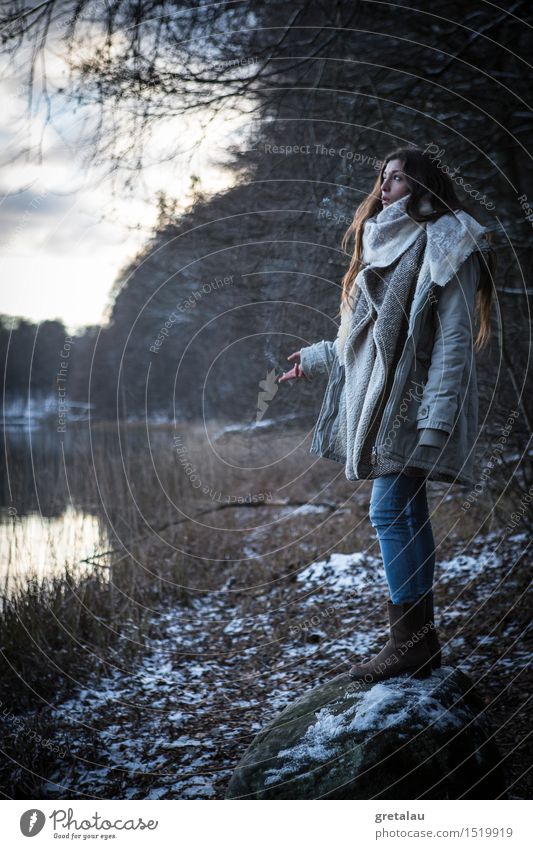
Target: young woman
point(401, 404)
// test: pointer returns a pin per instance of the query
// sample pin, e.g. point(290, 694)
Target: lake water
point(40, 545)
point(67, 496)
point(55, 503)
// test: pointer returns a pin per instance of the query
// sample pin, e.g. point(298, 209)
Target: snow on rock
point(398, 739)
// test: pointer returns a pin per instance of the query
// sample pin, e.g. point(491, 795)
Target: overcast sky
point(64, 236)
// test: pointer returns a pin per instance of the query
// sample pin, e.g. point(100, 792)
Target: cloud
point(28, 211)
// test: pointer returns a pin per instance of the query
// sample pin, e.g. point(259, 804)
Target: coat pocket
point(441, 414)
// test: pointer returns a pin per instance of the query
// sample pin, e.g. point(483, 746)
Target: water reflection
point(66, 496)
point(41, 545)
point(51, 510)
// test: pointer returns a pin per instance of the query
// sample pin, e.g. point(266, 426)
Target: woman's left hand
point(296, 372)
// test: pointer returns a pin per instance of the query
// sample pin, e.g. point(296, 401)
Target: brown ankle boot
point(406, 651)
point(433, 639)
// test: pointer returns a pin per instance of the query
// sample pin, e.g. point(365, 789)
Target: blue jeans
point(399, 513)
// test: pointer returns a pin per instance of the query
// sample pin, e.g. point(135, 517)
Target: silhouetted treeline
point(43, 358)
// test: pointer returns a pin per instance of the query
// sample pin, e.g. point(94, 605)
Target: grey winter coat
point(430, 420)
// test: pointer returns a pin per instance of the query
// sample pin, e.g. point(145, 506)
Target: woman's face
point(394, 183)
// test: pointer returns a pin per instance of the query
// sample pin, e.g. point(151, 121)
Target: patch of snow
point(315, 746)
point(177, 716)
point(246, 427)
point(237, 625)
point(31, 411)
point(373, 709)
point(197, 787)
point(467, 566)
point(156, 793)
point(184, 741)
point(342, 571)
point(250, 552)
point(310, 508)
point(130, 792)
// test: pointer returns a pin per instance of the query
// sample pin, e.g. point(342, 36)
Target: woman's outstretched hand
point(296, 372)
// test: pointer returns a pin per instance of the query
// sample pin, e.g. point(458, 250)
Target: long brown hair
point(423, 178)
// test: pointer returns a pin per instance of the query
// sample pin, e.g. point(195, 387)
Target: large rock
point(398, 739)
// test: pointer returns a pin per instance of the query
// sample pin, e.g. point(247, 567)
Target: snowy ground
point(176, 724)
